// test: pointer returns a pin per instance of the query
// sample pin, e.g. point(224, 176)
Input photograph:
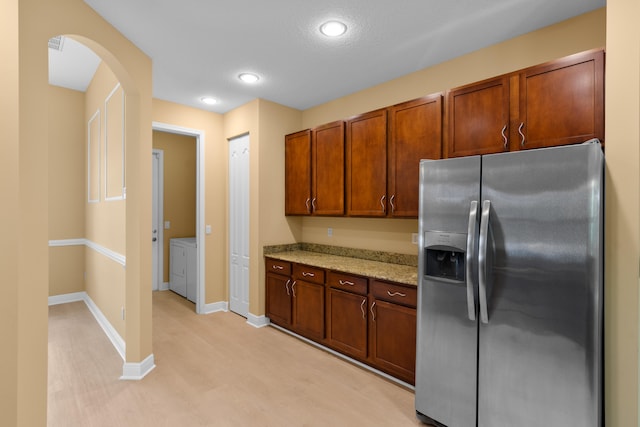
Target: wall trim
point(214, 307)
point(258, 321)
point(122, 194)
point(106, 326)
point(113, 255)
point(164, 286)
point(137, 371)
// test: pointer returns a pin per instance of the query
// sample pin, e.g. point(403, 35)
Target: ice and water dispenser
point(445, 255)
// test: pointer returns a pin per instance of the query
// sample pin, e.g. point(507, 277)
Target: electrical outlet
point(414, 238)
point(167, 225)
point(329, 231)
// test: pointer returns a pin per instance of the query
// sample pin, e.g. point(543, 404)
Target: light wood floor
point(212, 370)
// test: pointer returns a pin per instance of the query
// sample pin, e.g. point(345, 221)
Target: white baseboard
point(164, 286)
point(258, 321)
point(66, 298)
point(106, 326)
point(215, 307)
point(137, 371)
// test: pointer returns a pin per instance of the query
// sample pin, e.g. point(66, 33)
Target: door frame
point(199, 136)
point(160, 273)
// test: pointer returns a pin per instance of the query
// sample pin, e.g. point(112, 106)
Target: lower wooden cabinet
point(367, 319)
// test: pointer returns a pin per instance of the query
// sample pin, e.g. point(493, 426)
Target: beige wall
point(179, 207)
point(622, 232)
point(215, 181)
point(25, 27)
point(66, 188)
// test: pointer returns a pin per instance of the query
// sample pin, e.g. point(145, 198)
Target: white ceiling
point(199, 47)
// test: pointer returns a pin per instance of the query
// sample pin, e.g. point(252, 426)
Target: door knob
point(154, 239)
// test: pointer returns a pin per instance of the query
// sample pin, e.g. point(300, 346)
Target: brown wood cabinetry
point(307, 292)
point(478, 116)
point(392, 332)
point(415, 133)
point(561, 102)
point(556, 103)
point(366, 164)
point(278, 292)
point(328, 169)
point(297, 177)
point(347, 314)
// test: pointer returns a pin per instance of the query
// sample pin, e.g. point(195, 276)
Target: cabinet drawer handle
point(286, 285)
point(293, 288)
point(393, 207)
point(373, 313)
point(521, 134)
point(277, 267)
point(396, 294)
point(305, 274)
point(346, 282)
point(364, 313)
point(382, 203)
point(504, 137)
point(313, 204)
point(308, 205)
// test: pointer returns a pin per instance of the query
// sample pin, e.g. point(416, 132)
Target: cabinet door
point(562, 102)
point(328, 169)
point(347, 322)
point(366, 157)
point(308, 309)
point(415, 134)
point(478, 118)
point(178, 269)
point(393, 339)
point(278, 290)
point(297, 181)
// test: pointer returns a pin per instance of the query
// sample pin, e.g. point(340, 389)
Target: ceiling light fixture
point(248, 77)
point(333, 28)
point(209, 100)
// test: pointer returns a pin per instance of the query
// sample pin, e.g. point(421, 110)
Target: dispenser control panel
point(445, 255)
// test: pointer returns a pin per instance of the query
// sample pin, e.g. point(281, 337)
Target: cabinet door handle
point(396, 294)
point(382, 203)
point(307, 204)
point(364, 313)
point(346, 282)
point(293, 288)
point(521, 134)
point(373, 313)
point(393, 207)
point(504, 137)
point(286, 285)
point(313, 204)
point(277, 267)
point(305, 274)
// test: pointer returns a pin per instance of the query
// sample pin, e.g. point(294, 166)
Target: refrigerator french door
point(511, 289)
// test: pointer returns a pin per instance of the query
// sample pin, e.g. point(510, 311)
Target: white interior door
point(156, 220)
point(239, 225)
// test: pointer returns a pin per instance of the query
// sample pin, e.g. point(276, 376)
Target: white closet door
point(239, 225)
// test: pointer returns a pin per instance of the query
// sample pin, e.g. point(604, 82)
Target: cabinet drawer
point(277, 266)
point(348, 282)
point(308, 274)
point(394, 293)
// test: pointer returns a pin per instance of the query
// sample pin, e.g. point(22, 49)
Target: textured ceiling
point(199, 47)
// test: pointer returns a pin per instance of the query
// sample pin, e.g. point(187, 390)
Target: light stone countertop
point(379, 270)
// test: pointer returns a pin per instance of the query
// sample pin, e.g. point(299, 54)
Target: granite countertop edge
point(397, 268)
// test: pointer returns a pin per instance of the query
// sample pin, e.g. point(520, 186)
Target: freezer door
point(446, 359)
point(540, 343)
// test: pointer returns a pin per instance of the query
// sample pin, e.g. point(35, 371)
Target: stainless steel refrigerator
point(511, 289)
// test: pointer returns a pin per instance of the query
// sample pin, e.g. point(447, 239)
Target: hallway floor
point(211, 370)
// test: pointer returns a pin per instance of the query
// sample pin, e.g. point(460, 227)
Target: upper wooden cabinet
point(556, 103)
point(561, 102)
point(478, 118)
point(314, 171)
point(297, 179)
point(327, 169)
point(415, 133)
point(366, 158)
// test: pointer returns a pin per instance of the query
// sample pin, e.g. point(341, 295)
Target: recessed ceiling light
point(209, 100)
point(333, 28)
point(248, 77)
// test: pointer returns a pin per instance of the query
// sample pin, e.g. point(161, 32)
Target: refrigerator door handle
point(472, 231)
point(482, 261)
